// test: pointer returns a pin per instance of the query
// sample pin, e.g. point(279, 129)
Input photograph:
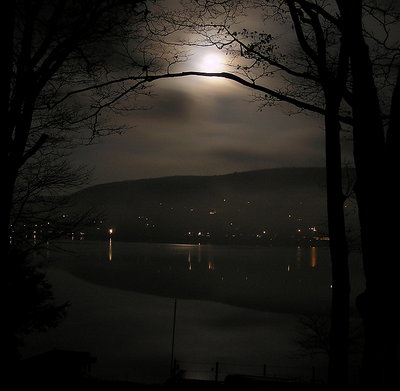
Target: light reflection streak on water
point(110, 254)
point(313, 257)
point(302, 257)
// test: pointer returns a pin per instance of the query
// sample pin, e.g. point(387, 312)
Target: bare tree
point(346, 68)
point(69, 68)
point(320, 67)
point(373, 92)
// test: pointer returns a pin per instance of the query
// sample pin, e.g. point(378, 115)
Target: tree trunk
point(378, 305)
point(6, 198)
point(6, 193)
point(339, 333)
point(391, 155)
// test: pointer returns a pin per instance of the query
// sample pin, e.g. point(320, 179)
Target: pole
point(216, 371)
point(172, 366)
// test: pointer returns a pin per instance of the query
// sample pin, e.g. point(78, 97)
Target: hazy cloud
point(204, 127)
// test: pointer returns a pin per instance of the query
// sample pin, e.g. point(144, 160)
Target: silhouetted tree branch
point(347, 59)
point(50, 49)
point(322, 67)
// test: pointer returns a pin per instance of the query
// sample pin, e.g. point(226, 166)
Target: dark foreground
point(231, 382)
point(70, 370)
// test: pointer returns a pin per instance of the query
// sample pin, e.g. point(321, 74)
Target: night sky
point(200, 126)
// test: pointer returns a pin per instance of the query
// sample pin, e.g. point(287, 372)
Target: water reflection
point(110, 254)
point(259, 277)
point(304, 258)
point(313, 257)
point(171, 257)
point(210, 263)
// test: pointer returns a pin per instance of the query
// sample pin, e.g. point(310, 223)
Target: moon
point(212, 63)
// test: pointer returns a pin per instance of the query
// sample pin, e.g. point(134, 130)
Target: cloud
point(197, 128)
point(167, 105)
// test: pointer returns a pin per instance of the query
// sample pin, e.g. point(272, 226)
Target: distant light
point(110, 231)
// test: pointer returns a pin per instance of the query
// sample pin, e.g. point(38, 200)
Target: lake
point(239, 306)
point(279, 279)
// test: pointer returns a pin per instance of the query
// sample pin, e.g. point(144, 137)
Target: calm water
point(281, 279)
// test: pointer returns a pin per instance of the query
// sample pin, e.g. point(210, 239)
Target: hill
point(264, 206)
